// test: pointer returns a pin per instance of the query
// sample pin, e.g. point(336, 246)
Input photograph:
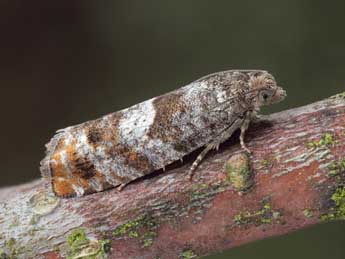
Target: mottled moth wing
point(123, 146)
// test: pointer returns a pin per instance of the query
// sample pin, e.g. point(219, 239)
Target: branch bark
point(293, 179)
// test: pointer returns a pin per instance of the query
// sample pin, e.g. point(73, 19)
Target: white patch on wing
point(221, 96)
point(82, 146)
point(136, 121)
point(65, 162)
point(68, 137)
point(134, 127)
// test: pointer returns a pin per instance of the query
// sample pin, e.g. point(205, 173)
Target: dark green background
point(65, 62)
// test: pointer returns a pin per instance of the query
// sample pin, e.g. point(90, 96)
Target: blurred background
point(65, 62)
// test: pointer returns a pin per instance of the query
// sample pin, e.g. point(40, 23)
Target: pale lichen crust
point(238, 172)
point(43, 203)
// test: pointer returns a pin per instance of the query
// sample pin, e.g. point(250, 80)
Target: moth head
point(265, 88)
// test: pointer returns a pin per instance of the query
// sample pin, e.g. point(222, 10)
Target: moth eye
point(265, 96)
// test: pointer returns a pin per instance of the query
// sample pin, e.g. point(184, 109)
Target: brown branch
point(294, 178)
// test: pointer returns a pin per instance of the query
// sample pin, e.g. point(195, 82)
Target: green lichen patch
point(238, 172)
point(77, 239)
point(265, 215)
point(308, 213)
point(148, 238)
point(325, 141)
point(3, 255)
point(337, 211)
point(9, 251)
point(198, 188)
point(80, 246)
point(266, 163)
point(188, 254)
point(143, 228)
point(336, 168)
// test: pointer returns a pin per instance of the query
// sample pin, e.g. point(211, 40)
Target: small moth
point(120, 147)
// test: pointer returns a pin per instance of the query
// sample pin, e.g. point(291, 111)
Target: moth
point(123, 146)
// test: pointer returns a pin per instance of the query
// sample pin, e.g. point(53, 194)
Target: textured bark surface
point(294, 178)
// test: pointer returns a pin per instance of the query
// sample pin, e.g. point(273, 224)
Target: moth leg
point(215, 144)
point(121, 186)
point(244, 128)
point(200, 157)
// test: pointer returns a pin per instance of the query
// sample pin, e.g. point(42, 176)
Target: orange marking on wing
point(71, 151)
point(82, 171)
point(62, 181)
point(57, 167)
point(133, 156)
point(63, 188)
point(84, 183)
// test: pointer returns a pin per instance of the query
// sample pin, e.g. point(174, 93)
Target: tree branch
point(294, 178)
